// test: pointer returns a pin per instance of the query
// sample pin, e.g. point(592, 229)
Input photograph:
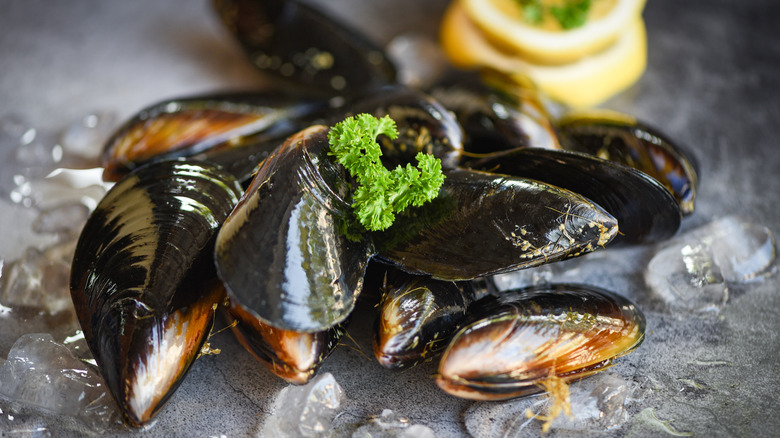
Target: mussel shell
point(206, 127)
point(482, 224)
point(283, 253)
point(417, 316)
point(294, 356)
point(494, 121)
point(143, 280)
point(645, 210)
point(305, 49)
point(623, 139)
point(512, 342)
point(424, 125)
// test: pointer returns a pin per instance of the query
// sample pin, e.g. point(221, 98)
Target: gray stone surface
point(713, 83)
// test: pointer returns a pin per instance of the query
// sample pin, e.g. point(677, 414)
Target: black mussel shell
point(620, 138)
point(294, 356)
point(515, 341)
point(424, 125)
point(143, 280)
point(304, 48)
point(417, 316)
point(645, 210)
point(482, 224)
point(495, 121)
point(284, 253)
point(234, 130)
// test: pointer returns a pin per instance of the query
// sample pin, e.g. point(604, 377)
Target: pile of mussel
point(231, 204)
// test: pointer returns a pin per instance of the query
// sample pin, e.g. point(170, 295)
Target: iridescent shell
point(514, 341)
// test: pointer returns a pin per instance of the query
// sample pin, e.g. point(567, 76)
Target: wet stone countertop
point(708, 366)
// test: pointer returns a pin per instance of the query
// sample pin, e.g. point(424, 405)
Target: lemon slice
point(503, 23)
point(586, 82)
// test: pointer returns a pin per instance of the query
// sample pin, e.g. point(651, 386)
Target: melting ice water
point(697, 269)
point(305, 411)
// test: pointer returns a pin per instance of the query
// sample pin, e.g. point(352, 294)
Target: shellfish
point(143, 280)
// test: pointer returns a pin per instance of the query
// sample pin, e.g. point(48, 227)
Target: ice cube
point(391, 425)
point(305, 411)
point(42, 373)
point(697, 269)
point(84, 138)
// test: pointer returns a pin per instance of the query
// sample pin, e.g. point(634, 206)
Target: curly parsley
point(381, 192)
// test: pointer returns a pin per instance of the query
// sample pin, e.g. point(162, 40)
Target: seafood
point(291, 258)
point(617, 137)
point(514, 341)
point(309, 272)
point(143, 281)
point(418, 315)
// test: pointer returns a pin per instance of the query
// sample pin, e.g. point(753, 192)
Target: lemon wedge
point(503, 23)
point(586, 82)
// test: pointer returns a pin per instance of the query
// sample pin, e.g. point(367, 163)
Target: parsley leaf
point(381, 192)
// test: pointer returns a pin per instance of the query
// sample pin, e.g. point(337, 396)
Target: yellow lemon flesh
point(503, 24)
point(585, 82)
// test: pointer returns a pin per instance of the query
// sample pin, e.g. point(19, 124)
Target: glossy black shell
point(283, 253)
point(143, 280)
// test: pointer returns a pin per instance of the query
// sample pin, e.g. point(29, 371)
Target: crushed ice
point(305, 411)
point(698, 269)
point(42, 373)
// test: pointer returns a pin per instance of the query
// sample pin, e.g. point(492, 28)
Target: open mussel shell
point(235, 130)
point(483, 223)
point(516, 340)
point(143, 280)
point(617, 137)
point(418, 315)
point(294, 356)
point(284, 253)
point(423, 124)
point(645, 210)
point(304, 48)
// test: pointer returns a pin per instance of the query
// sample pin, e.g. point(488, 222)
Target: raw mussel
point(418, 315)
point(143, 280)
point(483, 223)
point(621, 138)
point(514, 341)
point(285, 254)
point(300, 46)
point(292, 355)
point(234, 130)
point(424, 125)
point(645, 210)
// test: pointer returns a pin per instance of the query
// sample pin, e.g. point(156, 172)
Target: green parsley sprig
point(569, 14)
point(382, 193)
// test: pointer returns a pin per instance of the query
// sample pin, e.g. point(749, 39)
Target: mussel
point(286, 254)
point(483, 224)
point(292, 355)
point(418, 315)
point(143, 280)
point(623, 139)
point(645, 210)
point(513, 341)
point(236, 131)
point(300, 46)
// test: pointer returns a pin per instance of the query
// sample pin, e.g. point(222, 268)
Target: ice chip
point(697, 269)
point(85, 138)
point(42, 373)
point(305, 411)
point(391, 425)
point(66, 219)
